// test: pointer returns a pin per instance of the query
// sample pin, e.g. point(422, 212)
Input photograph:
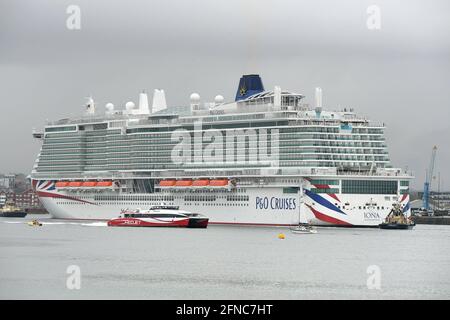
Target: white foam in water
point(90, 224)
point(56, 223)
point(95, 224)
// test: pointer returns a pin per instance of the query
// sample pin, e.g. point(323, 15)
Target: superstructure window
point(325, 181)
point(56, 129)
point(100, 126)
point(327, 190)
point(369, 186)
point(290, 190)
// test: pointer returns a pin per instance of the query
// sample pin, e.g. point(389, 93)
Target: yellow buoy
point(281, 236)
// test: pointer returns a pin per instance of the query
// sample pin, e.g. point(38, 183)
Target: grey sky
point(399, 75)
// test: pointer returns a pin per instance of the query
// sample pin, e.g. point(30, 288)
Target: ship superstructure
point(261, 159)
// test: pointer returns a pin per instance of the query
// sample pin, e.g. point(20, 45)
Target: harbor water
point(220, 262)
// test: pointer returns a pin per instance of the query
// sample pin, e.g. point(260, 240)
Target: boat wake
point(87, 224)
point(95, 224)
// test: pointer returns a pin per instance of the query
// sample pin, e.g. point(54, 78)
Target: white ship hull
point(265, 158)
point(257, 206)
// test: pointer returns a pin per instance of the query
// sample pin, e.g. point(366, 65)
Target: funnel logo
point(249, 85)
point(243, 90)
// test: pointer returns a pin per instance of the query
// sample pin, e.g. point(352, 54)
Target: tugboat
point(159, 216)
point(9, 210)
point(397, 220)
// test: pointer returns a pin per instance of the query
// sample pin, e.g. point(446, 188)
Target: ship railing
point(219, 172)
point(83, 176)
point(400, 173)
point(145, 120)
point(95, 118)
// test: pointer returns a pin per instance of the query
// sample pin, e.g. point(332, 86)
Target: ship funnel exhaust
point(318, 102)
point(143, 103)
point(90, 106)
point(277, 96)
point(159, 101)
point(319, 98)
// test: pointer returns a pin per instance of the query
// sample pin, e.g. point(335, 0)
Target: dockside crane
point(428, 179)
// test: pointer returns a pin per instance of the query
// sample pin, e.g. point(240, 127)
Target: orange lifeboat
point(219, 183)
point(89, 184)
point(183, 183)
point(167, 183)
point(200, 183)
point(104, 184)
point(75, 184)
point(62, 184)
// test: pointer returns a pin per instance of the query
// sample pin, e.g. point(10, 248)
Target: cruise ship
point(264, 158)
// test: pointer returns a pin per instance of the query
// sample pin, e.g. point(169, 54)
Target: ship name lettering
point(274, 203)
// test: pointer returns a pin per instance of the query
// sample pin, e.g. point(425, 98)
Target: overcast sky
point(399, 74)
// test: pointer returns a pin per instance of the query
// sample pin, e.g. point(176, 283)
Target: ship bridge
point(274, 97)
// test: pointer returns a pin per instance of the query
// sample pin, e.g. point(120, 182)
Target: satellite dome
point(218, 99)
point(109, 106)
point(195, 97)
point(129, 105)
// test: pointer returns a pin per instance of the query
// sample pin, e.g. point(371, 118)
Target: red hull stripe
point(404, 197)
point(326, 186)
point(321, 186)
point(60, 196)
point(326, 218)
point(334, 196)
point(47, 185)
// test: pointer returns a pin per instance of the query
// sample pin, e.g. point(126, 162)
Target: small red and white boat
point(159, 216)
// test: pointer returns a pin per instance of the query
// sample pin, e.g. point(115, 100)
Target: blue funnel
point(249, 85)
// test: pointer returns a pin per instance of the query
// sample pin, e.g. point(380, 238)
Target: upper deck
point(296, 139)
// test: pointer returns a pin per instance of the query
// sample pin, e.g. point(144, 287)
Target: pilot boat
point(159, 216)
